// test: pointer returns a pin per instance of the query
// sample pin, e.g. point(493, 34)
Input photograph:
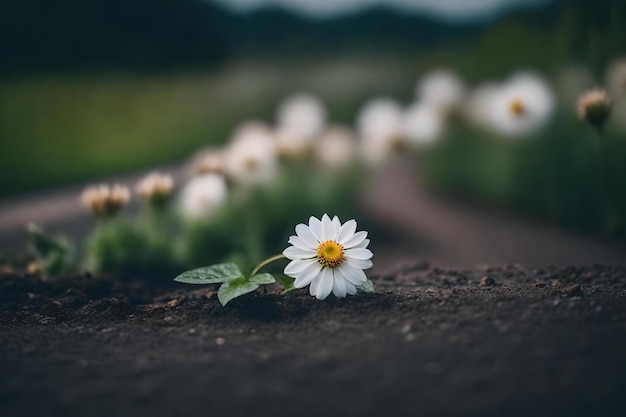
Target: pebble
point(487, 282)
point(574, 291)
point(192, 331)
point(220, 341)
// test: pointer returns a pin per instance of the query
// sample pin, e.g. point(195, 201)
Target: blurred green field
point(59, 130)
point(56, 130)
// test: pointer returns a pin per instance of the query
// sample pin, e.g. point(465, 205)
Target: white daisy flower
point(207, 161)
point(103, 200)
point(422, 124)
point(250, 158)
point(379, 124)
point(328, 257)
point(441, 88)
point(203, 196)
point(156, 188)
point(522, 105)
point(301, 118)
point(335, 148)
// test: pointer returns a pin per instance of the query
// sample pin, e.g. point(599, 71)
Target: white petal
point(316, 228)
point(308, 275)
point(354, 275)
point(299, 243)
point(346, 231)
point(304, 233)
point(327, 228)
point(339, 285)
point(359, 263)
point(294, 253)
point(314, 284)
point(350, 288)
point(359, 253)
point(356, 239)
point(325, 285)
point(363, 244)
point(336, 227)
point(296, 267)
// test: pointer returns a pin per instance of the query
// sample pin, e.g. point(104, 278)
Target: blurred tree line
point(45, 35)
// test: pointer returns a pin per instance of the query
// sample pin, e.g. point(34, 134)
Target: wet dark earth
point(506, 341)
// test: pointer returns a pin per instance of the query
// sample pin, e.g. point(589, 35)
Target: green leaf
point(368, 287)
point(286, 282)
point(43, 243)
point(233, 289)
point(213, 274)
point(262, 279)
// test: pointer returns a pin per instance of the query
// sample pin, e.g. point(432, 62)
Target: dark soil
point(507, 341)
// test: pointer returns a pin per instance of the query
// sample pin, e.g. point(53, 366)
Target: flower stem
point(606, 179)
point(266, 262)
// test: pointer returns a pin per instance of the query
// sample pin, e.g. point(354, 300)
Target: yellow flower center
point(517, 107)
point(330, 254)
point(251, 164)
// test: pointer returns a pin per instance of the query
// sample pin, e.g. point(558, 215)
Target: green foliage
point(213, 274)
point(124, 249)
point(234, 283)
point(555, 174)
point(368, 287)
point(287, 282)
point(241, 286)
point(56, 255)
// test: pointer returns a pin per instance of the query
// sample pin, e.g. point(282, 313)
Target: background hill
point(45, 35)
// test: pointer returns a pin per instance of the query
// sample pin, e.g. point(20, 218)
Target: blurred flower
point(249, 127)
point(288, 145)
point(616, 78)
point(336, 147)
point(105, 201)
point(594, 107)
point(203, 196)
point(441, 88)
point(422, 123)
point(250, 158)
point(208, 161)
point(521, 105)
point(329, 257)
point(477, 105)
point(379, 124)
point(300, 119)
point(156, 188)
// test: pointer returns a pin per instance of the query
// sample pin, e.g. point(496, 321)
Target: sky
point(446, 9)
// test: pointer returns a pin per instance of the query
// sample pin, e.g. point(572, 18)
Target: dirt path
point(454, 234)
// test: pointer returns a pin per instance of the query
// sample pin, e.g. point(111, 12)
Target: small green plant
point(55, 255)
point(325, 255)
